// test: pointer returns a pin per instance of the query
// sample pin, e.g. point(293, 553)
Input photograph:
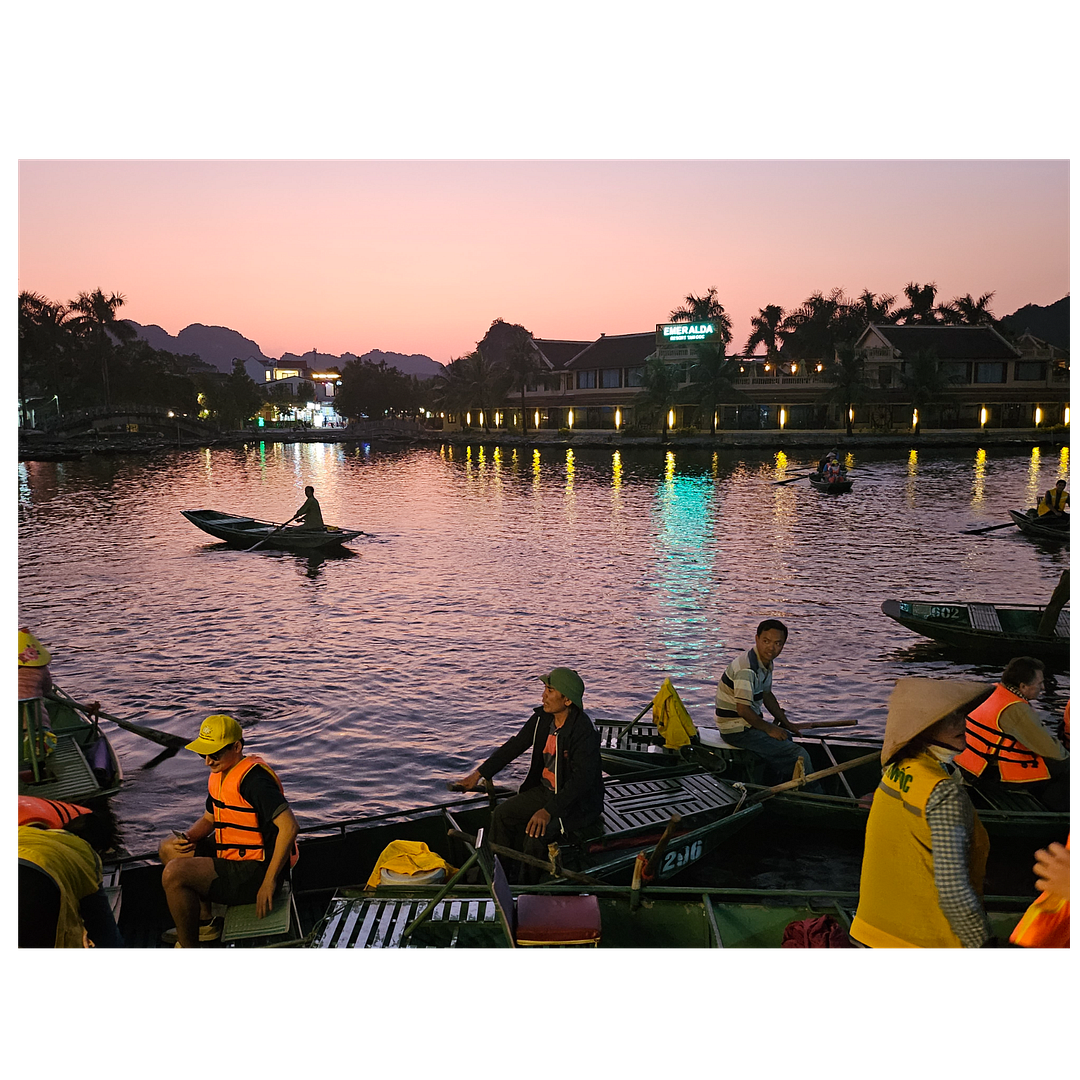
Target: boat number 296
point(677, 859)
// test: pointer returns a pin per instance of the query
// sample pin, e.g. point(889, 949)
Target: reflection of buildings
point(288, 385)
point(988, 383)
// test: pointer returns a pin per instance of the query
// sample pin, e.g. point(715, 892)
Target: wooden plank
point(984, 617)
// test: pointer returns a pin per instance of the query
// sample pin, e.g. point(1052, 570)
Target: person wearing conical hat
point(34, 678)
point(925, 855)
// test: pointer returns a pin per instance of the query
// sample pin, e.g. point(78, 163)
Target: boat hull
point(840, 487)
point(845, 804)
point(247, 532)
point(1036, 527)
point(953, 624)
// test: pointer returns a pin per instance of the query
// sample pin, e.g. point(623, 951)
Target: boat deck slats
point(376, 923)
point(638, 738)
point(74, 778)
point(1062, 628)
point(641, 804)
point(984, 617)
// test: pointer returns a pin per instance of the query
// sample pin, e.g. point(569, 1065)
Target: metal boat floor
point(377, 923)
point(74, 778)
point(639, 805)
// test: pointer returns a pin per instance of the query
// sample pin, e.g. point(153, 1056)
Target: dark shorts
point(237, 881)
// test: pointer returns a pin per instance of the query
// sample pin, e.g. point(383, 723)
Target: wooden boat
point(989, 629)
point(667, 917)
point(1032, 525)
point(338, 855)
point(82, 766)
point(839, 487)
point(246, 532)
point(845, 804)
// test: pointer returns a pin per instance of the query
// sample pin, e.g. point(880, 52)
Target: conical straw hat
point(31, 652)
point(916, 704)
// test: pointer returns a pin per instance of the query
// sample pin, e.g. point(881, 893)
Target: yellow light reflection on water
point(616, 470)
point(669, 468)
point(979, 480)
point(715, 465)
point(1034, 468)
point(912, 474)
point(781, 461)
point(569, 477)
point(1064, 466)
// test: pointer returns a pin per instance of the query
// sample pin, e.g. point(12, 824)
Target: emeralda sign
point(680, 333)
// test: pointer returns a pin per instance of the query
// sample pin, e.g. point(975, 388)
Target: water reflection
point(1033, 487)
point(979, 479)
point(353, 666)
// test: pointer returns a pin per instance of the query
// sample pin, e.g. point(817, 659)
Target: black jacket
point(578, 798)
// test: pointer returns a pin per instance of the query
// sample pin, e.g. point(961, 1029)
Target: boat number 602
point(945, 612)
point(676, 860)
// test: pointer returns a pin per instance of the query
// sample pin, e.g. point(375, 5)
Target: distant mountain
point(218, 345)
point(1051, 323)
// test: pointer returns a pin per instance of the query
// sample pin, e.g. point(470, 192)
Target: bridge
point(141, 418)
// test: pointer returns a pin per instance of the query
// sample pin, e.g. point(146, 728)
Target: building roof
point(616, 351)
point(948, 342)
point(559, 351)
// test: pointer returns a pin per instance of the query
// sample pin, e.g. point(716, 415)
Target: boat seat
point(540, 919)
point(242, 922)
point(984, 617)
point(375, 922)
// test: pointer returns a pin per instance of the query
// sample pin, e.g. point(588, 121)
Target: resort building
point(978, 380)
point(291, 377)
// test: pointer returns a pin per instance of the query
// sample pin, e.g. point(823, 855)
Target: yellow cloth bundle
point(671, 718)
point(407, 857)
point(73, 864)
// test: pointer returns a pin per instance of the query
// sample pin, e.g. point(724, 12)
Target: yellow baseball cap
point(217, 732)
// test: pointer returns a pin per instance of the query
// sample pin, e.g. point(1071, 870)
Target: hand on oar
point(272, 532)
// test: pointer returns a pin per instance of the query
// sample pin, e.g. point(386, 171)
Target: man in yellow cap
point(564, 787)
point(254, 834)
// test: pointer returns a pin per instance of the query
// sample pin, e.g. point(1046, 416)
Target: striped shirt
point(745, 682)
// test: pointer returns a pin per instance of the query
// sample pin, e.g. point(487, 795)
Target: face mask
point(944, 754)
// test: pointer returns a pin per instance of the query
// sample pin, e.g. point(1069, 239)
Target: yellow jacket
point(73, 864)
point(671, 718)
point(407, 857)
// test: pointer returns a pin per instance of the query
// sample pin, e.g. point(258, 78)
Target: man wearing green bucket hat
point(564, 788)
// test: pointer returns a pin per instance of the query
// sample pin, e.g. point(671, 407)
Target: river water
point(373, 677)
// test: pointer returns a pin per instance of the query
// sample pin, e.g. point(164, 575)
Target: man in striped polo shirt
point(744, 688)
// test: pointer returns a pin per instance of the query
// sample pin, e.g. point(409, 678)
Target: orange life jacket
point(1045, 925)
point(47, 812)
point(236, 825)
point(986, 742)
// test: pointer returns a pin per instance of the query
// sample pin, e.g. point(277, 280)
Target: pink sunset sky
point(421, 256)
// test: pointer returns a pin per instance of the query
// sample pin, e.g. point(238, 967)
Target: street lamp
point(56, 398)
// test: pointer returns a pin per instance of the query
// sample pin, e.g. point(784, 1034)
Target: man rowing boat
point(310, 512)
point(564, 788)
point(744, 691)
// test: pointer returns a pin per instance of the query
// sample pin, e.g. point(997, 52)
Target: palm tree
point(766, 330)
point(44, 343)
point(920, 307)
point(659, 389)
point(922, 378)
point(874, 308)
point(472, 381)
point(814, 330)
point(712, 380)
point(967, 311)
point(704, 309)
point(511, 346)
point(847, 373)
point(94, 314)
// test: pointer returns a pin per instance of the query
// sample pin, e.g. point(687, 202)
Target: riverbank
point(44, 447)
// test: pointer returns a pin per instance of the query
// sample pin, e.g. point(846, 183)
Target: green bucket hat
point(567, 682)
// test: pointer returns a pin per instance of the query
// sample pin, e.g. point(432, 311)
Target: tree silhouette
point(94, 316)
point(967, 311)
point(920, 308)
point(659, 390)
point(704, 309)
point(712, 381)
point(847, 373)
point(925, 383)
point(765, 330)
point(813, 330)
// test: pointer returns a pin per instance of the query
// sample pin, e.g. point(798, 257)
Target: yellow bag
point(671, 718)
point(408, 857)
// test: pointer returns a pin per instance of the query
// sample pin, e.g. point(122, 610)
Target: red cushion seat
point(557, 920)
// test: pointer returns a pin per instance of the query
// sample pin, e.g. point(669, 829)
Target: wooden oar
point(826, 723)
point(789, 784)
point(791, 479)
point(272, 532)
point(162, 738)
point(988, 528)
point(519, 856)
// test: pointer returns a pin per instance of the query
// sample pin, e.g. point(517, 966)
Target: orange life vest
point(236, 825)
point(986, 742)
point(1045, 925)
point(47, 812)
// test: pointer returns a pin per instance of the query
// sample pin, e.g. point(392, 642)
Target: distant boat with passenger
point(248, 532)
